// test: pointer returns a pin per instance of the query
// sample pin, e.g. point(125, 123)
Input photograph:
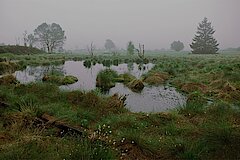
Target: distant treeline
point(15, 49)
point(232, 49)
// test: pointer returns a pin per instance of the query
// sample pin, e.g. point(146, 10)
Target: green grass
point(198, 130)
point(106, 79)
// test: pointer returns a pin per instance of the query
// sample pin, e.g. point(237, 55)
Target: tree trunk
point(48, 48)
point(51, 49)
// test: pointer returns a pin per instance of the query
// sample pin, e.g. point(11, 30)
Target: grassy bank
point(108, 130)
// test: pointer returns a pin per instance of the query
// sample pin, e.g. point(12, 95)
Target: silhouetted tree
point(31, 40)
point(109, 45)
point(130, 48)
point(90, 49)
point(203, 42)
point(25, 39)
point(177, 46)
point(141, 51)
point(50, 36)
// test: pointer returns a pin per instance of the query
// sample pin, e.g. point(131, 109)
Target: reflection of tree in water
point(89, 63)
point(115, 62)
point(141, 67)
point(40, 71)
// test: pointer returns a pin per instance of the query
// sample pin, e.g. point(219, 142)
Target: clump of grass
point(192, 108)
point(8, 67)
point(60, 80)
point(8, 79)
point(220, 110)
point(136, 85)
point(125, 78)
point(46, 92)
point(119, 121)
point(147, 144)
point(69, 80)
point(187, 149)
point(156, 78)
point(55, 148)
point(221, 134)
point(28, 104)
point(106, 79)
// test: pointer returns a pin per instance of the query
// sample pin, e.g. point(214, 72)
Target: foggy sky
point(156, 23)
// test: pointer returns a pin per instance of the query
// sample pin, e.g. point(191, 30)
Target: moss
point(69, 80)
point(59, 80)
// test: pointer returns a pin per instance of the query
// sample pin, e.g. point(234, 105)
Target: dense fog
point(155, 23)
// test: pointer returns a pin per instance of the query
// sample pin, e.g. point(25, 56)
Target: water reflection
point(31, 74)
point(151, 99)
point(87, 76)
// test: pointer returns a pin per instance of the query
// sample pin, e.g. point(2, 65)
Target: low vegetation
point(20, 50)
point(7, 67)
point(156, 78)
point(60, 80)
point(38, 120)
point(136, 85)
point(106, 79)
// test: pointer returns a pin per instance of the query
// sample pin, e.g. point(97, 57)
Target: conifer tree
point(204, 42)
point(130, 48)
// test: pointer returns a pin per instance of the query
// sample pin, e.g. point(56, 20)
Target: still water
point(151, 99)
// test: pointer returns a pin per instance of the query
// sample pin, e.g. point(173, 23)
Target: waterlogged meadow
point(42, 120)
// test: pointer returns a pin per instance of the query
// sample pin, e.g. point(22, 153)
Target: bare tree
point(25, 38)
point(90, 49)
point(31, 40)
point(17, 40)
point(141, 51)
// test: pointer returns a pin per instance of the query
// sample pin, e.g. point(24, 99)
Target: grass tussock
point(106, 79)
point(7, 67)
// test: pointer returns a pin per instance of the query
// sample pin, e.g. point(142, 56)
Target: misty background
point(155, 23)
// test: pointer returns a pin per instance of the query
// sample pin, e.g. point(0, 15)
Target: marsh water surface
point(150, 99)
